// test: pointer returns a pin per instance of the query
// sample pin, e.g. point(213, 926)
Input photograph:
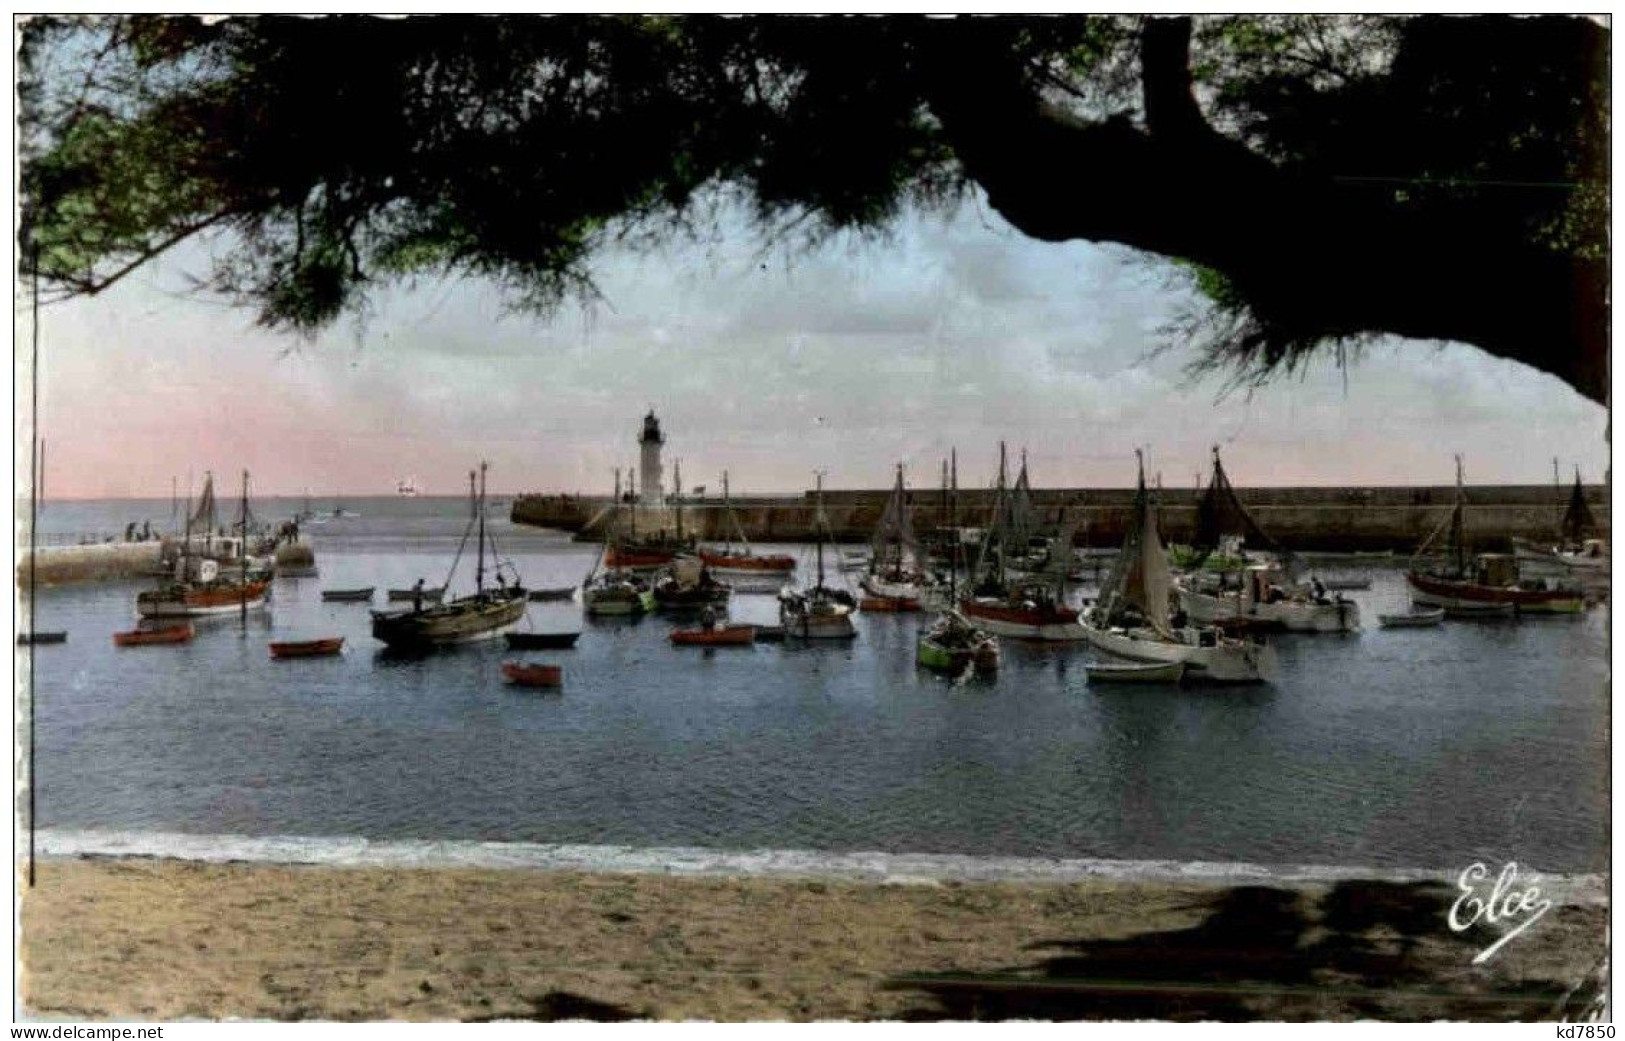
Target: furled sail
point(1023, 518)
point(893, 540)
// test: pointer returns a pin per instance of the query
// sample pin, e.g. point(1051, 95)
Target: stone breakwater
point(1324, 519)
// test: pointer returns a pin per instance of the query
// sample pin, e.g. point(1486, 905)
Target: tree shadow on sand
point(1364, 949)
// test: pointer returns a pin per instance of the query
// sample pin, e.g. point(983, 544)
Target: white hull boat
point(1412, 620)
point(1337, 616)
point(1223, 660)
point(1106, 672)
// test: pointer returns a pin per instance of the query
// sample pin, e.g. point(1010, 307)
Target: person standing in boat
point(417, 596)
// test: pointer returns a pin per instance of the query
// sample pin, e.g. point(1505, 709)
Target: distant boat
point(162, 634)
point(1412, 619)
point(895, 573)
point(1160, 672)
point(560, 593)
point(485, 614)
point(407, 487)
point(307, 648)
point(743, 561)
point(618, 589)
point(532, 674)
point(688, 585)
point(540, 641)
point(720, 636)
point(1491, 585)
point(30, 639)
point(199, 588)
point(818, 612)
point(348, 595)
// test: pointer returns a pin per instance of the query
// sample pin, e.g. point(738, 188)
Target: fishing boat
point(560, 593)
point(715, 636)
point(617, 593)
point(533, 674)
point(952, 643)
point(895, 581)
point(687, 585)
point(1412, 619)
point(1491, 583)
point(1005, 604)
point(818, 612)
point(348, 595)
point(728, 561)
point(178, 633)
point(889, 604)
point(308, 648)
point(1151, 672)
point(198, 587)
point(407, 487)
point(1577, 551)
point(485, 614)
point(36, 638)
point(427, 595)
point(541, 641)
point(1262, 591)
point(1131, 619)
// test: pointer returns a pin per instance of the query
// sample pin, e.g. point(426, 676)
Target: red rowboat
point(307, 648)
point(888, 603)
point(167, 634)
point(722, 636)
point(529, 674)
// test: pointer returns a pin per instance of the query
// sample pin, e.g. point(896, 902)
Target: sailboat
point(198, 587)
point(743, 562)
point(1007, 604)
point(485, 614)
point(615, 590)
point(953, 643)
point(1576, 549)
point(1490, 584)
point(895, 576)
point(1261, 594)
point(1130, 620)
point(818, 612)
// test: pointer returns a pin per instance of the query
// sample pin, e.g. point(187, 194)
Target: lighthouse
point(649, 443)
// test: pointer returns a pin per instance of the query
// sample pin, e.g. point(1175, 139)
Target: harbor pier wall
point(1326, 519)
point(57, 565)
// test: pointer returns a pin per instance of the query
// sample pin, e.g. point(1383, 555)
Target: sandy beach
point(164, 939)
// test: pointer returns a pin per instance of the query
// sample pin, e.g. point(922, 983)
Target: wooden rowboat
point(721, 636)
point(538, 641)
point(348, 595)
point(530, 674)
point(1415, 619)
point(307, 648)
point(1160, 672)
point(162, 634)
point(562, 593)
point(29, 639)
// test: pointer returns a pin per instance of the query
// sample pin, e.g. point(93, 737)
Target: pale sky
point(956, 331)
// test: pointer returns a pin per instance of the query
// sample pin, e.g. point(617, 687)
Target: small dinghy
point(348, 596)
point(532, 674)
point(1412, 620)
point(1153, 672)
point(30, 639)
point(308, 648)
point(721, 636)
point(1478, 610)
point(158, 634)
point(430, 596)
point(561, 593)
point(540, 641)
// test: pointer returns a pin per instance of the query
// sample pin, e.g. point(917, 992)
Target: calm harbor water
point(1391, 748)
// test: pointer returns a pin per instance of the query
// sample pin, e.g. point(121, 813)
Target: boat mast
point(479, 550)
point(677, 493)
point(953, 532)
point(1458, 524)
point(818, 524)
point(242, 554)
point(1002, 507)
